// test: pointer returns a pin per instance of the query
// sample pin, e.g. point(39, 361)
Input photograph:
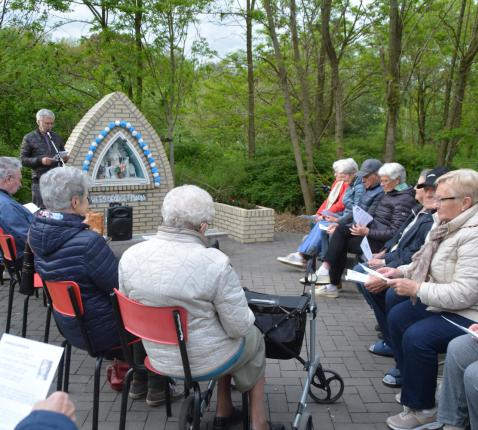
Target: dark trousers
point(155, 381)
point(340, 243)
point(36, 195)
point(417, 337)
point(381, 303)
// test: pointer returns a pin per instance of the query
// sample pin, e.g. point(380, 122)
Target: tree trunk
point(251, 127)
point(442, 149)
point(304, 93)
point(320, 104)
point(138, 20)
point(304, 185)
point(336, 83)
point(421, 111)
point(393, 81)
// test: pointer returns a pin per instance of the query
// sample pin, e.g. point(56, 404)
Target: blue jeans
point(417, 337)
point(381, 303)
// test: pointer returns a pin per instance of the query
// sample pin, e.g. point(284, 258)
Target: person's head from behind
point(345, 170)
point(10, 174)
point(45, 120)
point(456, 192)
point(391, 175)
point(65, 189)
point(188, 207)
point(369, 172)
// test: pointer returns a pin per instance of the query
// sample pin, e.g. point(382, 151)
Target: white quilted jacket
point(452, 285)
point(175, 268)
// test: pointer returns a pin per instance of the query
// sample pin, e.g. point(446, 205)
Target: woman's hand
point(359, 230)
point(404, 287)
point(331, 228)
point(318, 218)
point(330, 218)
point(390, 272)
point(57, 402)
point(376, 263)
point(375, 285)
point(473, 327)
point(380, 254)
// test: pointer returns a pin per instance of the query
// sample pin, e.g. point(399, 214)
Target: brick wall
point(245, 225)
point(117, 106)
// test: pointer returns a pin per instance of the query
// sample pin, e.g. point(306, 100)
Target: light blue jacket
point(14, 220)
point(352, 196)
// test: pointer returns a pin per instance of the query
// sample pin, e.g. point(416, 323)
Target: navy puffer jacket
point(65, 250)
point(390, 212)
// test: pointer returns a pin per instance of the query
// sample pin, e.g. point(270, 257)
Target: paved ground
point(345, 326)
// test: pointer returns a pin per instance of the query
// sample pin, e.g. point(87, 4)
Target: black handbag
point(28, 272)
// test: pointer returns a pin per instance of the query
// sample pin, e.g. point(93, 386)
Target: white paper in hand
point(374, 272)
point(365, 247)
point(32, 207)
point(361, 217)
point(354, 276)
point(27, 369)
point(466, 330)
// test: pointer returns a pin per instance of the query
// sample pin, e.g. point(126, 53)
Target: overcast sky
point(222, 38)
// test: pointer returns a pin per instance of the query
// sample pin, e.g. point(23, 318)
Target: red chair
point(165, 325)
point(65, 298)
point(9, 254)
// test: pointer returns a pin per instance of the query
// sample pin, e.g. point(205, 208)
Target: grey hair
point(42, 113)
point(393, 171)
point(464, 183)
point(347, 165)
point(59, 185)
point(9, 166)
point(187, 207)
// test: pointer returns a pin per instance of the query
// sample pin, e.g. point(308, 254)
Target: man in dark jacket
point(14, 218)
point(399, 251)
point(42, 150)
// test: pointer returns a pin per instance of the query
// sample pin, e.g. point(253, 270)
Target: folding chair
point(66, 299)
point(165, 325)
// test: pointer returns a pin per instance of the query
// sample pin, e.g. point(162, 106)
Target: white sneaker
point(398, 397)
point(328, 290)
point(410, 419)
point(294, 259)
point(317, 278)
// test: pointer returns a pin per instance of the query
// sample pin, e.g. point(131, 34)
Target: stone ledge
point(245, 225)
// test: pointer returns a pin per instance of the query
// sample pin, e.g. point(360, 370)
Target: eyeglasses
point(439, 200)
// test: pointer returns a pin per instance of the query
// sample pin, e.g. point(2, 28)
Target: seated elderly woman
point(345, 192)
point(176, 268)
point(458, 403)
point(65, 249)
point(441, 280)
point(389, 212)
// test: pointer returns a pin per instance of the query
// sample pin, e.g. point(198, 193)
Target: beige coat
point(176, 269)
point(452, 285)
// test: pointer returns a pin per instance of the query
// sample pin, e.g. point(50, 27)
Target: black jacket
point(65, 250)
point(389, 213)
point(411, 241)
point(35, 147)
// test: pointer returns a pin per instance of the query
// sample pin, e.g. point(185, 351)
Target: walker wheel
point(305, 422)
point(186, 415)
point(327, 386)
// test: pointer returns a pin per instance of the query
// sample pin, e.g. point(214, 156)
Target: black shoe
point(222, 423)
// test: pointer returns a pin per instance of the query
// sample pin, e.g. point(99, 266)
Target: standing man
point(42, 150)
point(14, 218)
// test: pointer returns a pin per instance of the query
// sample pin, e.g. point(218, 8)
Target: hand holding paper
point(361, 217)
point(466, 330)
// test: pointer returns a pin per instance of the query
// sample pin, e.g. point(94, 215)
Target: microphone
point(58, 156)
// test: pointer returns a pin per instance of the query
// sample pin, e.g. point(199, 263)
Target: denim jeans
point(458, 403)
point(417, 337)
point(381, 303)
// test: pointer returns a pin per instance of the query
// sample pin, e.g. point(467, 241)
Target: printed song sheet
point(361, 217)
point(27, 369)
point(365, 247)
point(374, 273)
point(474, 334)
